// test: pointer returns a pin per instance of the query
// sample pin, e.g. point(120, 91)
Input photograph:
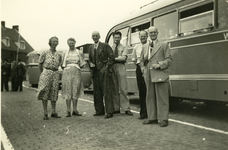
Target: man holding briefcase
point(155, 60)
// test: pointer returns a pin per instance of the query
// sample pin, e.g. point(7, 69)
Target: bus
point(197, 33)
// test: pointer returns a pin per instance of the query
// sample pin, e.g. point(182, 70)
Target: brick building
point(11, 42)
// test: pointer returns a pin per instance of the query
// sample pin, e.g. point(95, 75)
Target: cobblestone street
point(22, 120)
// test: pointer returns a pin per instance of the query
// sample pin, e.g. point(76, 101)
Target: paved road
point(23, 124)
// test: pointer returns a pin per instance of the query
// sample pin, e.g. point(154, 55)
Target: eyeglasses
point(153, 32)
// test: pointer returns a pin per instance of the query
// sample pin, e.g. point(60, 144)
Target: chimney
point(3, 23)
point(16, 27)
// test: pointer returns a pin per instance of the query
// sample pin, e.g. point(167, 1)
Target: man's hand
point(92, 65)
point(156, 66)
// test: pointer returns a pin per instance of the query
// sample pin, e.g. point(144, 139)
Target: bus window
point(197, 20)
point(167, 26)
point(135, 32)
point(222, 14)
point(124, 39)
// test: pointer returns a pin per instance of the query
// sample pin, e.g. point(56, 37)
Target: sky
point(39, 20)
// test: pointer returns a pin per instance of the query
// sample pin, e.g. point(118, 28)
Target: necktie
point(116, 51)
point(151, 46)
point(95, 54)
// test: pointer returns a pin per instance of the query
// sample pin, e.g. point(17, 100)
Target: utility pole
point(18, 46)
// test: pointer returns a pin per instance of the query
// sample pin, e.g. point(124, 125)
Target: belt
point(52, 69)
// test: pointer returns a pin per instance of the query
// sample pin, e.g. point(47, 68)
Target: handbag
point(157, 75)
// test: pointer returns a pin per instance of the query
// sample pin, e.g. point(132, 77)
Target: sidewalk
point(22, 121)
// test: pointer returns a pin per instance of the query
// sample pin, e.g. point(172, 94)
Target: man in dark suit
point(155, 61)
point(101, 59)
point(20, 74)
point(5, 74)
point(14, 73)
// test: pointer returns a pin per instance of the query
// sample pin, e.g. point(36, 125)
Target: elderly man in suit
point(101, 59)
point(143, 35)
point(155, 61)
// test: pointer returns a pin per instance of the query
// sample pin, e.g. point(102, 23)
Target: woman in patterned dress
point(72, 85)
point(48, 88)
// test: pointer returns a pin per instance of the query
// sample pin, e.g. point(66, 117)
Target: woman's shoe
point(76, 113)
point(46, 117)
point(68, 114)
point(55, 115)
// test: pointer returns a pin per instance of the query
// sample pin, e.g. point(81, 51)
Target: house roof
point(13, 36)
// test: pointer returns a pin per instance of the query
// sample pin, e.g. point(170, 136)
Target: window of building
point(167, 25)
point(135, 32)
point(6, 41)
point(22, 45)
point(197, 20)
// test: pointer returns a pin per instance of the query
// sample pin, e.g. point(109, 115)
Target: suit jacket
point(160, 55)
point(6, 70)
point(20, 69)
point(105, 56)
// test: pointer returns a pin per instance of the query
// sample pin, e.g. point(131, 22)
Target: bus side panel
point(202, 90)
point(200, 72)
point(203, 59)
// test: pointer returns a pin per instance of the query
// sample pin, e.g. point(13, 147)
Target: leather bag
point(159, 75)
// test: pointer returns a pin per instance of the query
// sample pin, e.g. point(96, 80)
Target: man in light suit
point(101, 59)
point(155, 61)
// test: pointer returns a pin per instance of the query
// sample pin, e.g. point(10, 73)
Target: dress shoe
point(98, 114)
point(55, 115)
point(46, 117)
point(76, 113)
point(129, 113)
point(116, 112)
point(150, 122)
point(68, 114)
point(110, 115)
point(164, 123)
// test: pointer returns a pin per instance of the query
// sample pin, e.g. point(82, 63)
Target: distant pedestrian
point(72, 85)
point(20, 75)
point(48, 87)
point(5, 74)
point(143, 35)
point(155, 61)
point(14, 74)
point(121, 100)
point(101, 59)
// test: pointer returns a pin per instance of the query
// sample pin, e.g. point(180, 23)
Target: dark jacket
point(6, 70)
point(14, 71)
point(20, 69)
point(105, 55)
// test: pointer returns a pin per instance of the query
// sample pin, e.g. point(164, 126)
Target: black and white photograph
point(114, 74)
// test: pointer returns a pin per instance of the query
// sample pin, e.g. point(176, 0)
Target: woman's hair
point(71, 39)
point(51, 39)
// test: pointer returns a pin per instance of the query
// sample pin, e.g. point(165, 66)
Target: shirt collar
point(155, 41)
point(96, 44)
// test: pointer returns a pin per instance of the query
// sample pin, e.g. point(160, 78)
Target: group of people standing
point(153, 59)
point(15, 71)
point(107, 65)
